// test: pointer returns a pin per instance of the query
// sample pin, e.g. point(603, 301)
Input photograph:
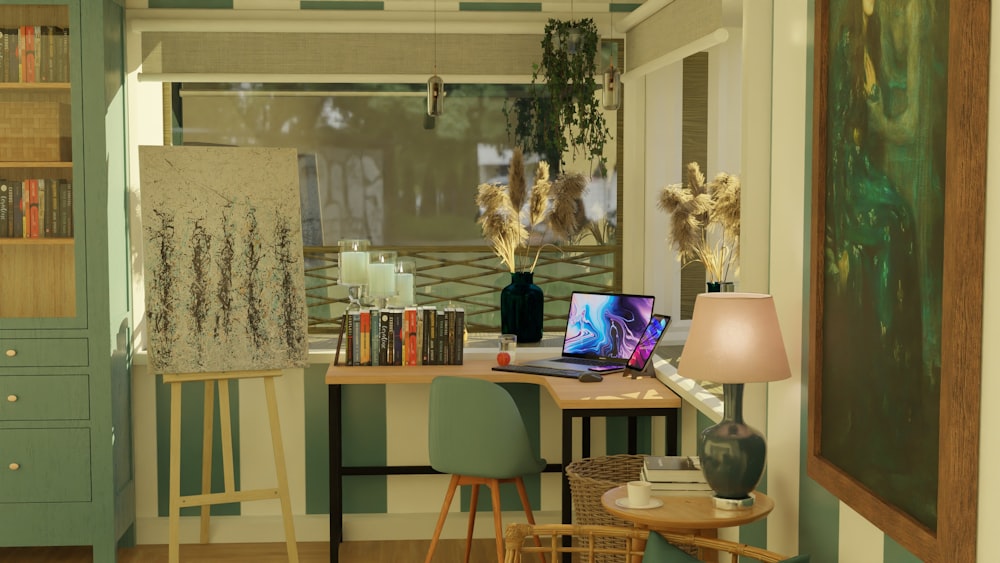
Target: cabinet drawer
point(44, 397)
point(21, 352)
point(45, 465)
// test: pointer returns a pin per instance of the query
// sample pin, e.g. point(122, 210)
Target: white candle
point(381, 279)
point(353, 268)
point(404, 290)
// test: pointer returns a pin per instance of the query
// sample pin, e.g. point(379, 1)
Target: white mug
point(639, 493)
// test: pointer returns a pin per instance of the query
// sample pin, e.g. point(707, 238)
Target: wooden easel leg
point(173, 549)
point(226, 426)
point(279, 468)
point(206, 456)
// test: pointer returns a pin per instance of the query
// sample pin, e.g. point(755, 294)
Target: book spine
point(349, 347)
point(366, 337)
point(32, 214)
point(459, 356)
point(17, 210)
point(50, 53)
point(449, 332)
point(410, 318)
point(376, 320)
point(420, 336)
point(383, 337)
point(4, 54)
point(5, 204)
point(439, 338)
point(397, 337)
point(29, 53)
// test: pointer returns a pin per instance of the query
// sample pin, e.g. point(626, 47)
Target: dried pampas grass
point(705, 220)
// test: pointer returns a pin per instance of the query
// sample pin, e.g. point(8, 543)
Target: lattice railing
point(470, 277)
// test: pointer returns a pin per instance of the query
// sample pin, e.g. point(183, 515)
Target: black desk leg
point(336, 479)
point(673, 425)
point(567, 495)
point(633, 435)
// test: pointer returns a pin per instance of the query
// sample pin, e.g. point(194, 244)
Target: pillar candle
point(353, 268)
point(381, 279)
point(405, 295)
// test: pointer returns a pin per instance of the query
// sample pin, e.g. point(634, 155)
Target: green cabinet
point(66, 474)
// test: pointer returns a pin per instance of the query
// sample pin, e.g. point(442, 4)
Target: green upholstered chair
point(477, 435)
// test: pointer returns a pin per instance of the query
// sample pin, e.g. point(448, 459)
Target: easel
point(230, 494)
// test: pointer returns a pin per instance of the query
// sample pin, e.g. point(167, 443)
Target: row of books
point(38, 53)
point(675, 476)
point(407, 336)
point(36, 208)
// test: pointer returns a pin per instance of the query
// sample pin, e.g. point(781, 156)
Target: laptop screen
point(605, 325)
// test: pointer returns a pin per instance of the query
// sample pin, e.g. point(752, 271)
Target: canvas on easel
point(224, 277)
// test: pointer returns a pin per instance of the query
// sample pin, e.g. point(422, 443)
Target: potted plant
point(561, 114)
point(705, 222)
point(517, 223)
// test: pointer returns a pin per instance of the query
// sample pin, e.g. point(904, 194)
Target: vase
point(720, 287)
point(522, 305)
point(732, 454)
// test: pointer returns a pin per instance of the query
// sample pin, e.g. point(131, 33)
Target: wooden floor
point(448, 551)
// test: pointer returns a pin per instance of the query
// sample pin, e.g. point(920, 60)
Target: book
point(5, 212)
point(459, 353)
point(366, 337)
point(376, 321)
point(673, 469)
point(675, 485)
point(410, 344)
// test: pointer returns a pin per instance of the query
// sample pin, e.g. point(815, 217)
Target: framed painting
point(899, 179)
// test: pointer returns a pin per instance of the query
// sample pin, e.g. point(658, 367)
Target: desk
point(696, 515)
point(615, 396)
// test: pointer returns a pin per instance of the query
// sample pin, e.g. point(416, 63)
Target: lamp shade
point(734, 338)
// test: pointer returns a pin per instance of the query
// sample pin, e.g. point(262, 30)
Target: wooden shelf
point(13, 241)
point(34, 85)
point(29, 164)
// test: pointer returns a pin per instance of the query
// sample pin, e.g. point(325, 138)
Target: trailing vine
point(561, 112)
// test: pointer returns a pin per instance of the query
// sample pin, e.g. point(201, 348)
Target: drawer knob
point(14, 466)
point(11, 353)
point(11, 398)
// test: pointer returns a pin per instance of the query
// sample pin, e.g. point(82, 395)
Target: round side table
point(692, 515)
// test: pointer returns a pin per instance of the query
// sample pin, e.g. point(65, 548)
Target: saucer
point(653, 503)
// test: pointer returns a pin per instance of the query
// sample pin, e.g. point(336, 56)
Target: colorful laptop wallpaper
point(606, 325)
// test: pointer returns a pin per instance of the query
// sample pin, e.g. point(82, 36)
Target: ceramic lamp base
point(733, 503)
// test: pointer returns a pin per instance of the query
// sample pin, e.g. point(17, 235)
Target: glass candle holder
point(406, 271)
point(382, 276)
point(353, 264)
point(506, 349)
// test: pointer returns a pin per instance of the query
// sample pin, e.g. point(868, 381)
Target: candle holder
point(382, 276)
point(406, 269)
point(353, 263)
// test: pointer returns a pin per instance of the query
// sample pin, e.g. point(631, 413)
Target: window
point(374, 165)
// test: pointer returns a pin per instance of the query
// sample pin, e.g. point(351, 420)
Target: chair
point(587, 543)
point(477, 435)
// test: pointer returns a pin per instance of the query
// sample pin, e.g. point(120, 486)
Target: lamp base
point(733, 503)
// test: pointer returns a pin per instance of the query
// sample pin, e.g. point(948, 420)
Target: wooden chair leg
point(173, 548)
point(494, 485)
point(206, 455)
point(473, 504)
point(452, 486)
point(523, 493)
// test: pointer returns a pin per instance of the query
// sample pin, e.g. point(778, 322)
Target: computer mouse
point(590, 377)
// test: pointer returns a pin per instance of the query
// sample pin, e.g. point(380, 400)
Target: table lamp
point(734, 339)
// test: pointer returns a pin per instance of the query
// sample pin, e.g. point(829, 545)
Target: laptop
point(602, 329)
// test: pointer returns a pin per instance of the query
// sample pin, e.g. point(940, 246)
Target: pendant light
point(435, 86)
point(612, 91)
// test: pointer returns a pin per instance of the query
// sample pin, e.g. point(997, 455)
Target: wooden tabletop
point(616, 391)
point(686, 513)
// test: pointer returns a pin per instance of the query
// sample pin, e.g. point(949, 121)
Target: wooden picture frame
point(892, 377)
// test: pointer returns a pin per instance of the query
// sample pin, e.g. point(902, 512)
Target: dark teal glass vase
point(522, 308)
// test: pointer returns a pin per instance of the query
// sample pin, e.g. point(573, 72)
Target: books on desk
point(675, 476)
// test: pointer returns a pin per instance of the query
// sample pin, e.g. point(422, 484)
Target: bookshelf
point(37, 245)
point(65, 326)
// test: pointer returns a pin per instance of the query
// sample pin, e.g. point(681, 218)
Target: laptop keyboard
point(587, 362)
point(540, 370)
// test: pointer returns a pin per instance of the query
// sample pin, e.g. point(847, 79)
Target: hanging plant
point(561, 113)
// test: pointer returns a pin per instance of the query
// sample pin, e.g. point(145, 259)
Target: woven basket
point(589, 479)
point(35, 132)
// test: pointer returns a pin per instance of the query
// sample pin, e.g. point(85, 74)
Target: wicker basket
point(35, 132)
point(589, 479)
